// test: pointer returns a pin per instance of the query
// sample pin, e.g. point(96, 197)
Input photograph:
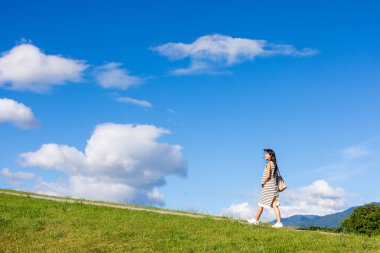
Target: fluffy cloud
point(318, 198)
point(122, 163)
point(26, 68)
point(111, 75)
point(212, 52)
point(134, 101)
point(16, 113)
point(245, 211)
point(240, 211)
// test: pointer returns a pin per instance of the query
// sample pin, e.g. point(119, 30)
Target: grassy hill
point(326, 221)
point(38, 225)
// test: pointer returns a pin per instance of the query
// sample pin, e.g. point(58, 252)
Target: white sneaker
point(253, 221)
point(277, 225)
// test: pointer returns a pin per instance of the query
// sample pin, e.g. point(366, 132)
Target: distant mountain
point(327, 221)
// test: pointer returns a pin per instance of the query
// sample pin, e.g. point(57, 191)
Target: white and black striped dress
point(270, 189)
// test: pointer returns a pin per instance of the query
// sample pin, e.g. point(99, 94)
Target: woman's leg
point(276, 210)
point(259, 212)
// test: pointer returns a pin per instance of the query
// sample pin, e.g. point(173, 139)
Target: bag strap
point(278, 172)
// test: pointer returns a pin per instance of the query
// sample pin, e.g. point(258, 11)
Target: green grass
point(36, 225)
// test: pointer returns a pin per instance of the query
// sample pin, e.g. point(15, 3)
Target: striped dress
point(270, 189)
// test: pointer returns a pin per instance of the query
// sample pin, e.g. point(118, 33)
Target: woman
point(269, 194)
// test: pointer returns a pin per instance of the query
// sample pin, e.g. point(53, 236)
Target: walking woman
point(269, 195)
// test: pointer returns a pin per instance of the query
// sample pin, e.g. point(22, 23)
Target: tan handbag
point(280, 182)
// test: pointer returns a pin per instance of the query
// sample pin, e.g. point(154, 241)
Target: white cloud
point(26, 68)
point(112, 76)
point(245, 211)
point(16, 113)
point(134, 101)
point(240, 211)
point(354, 152)
point(15, 178)
point(16, 175)
point(211, 52)
point(318, 198)
point(122, 163)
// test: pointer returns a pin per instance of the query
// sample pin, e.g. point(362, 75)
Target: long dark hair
point(273, 159)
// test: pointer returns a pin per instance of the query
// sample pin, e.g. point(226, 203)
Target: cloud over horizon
point(122, 163)
point(318, 198)
point(15, 178)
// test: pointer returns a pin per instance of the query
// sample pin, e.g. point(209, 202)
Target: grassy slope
point(101, 202)
point(35, 225)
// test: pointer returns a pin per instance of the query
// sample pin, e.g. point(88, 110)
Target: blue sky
point(310, 92)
